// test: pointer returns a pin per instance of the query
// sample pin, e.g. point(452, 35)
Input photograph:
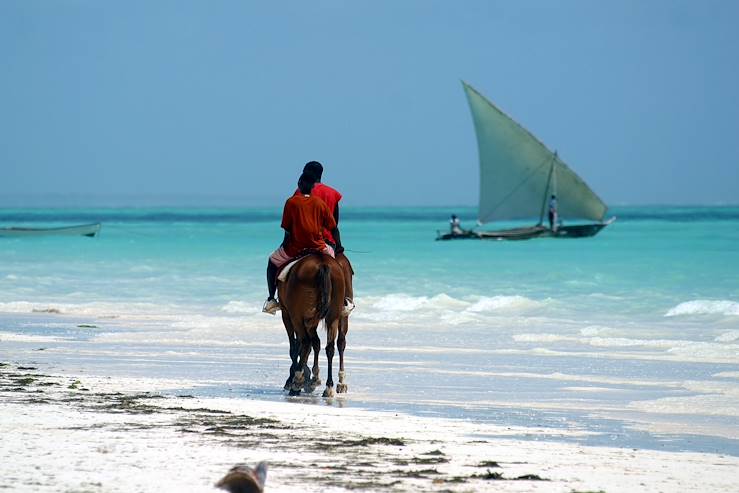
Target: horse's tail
point(323, 283)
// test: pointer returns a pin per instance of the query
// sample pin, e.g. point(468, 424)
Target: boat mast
point(546, 189)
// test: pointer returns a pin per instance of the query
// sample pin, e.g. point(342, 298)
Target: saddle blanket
point(282, 276)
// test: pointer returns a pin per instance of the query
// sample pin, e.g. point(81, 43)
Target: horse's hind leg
point(331, 330)
point(316, 342)
point(342, 387)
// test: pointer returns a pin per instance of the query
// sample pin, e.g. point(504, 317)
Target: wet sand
point(89, 434)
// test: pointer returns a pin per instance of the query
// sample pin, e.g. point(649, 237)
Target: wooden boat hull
point(578, 231)
point(79, 230)
point(527, 233)
point(467, 235)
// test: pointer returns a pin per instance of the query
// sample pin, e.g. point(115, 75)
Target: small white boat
point(80, 230)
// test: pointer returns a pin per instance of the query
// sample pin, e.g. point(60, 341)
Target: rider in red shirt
point(331, 197)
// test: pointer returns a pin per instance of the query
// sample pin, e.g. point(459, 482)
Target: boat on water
point(78, 230)
point(518, 177)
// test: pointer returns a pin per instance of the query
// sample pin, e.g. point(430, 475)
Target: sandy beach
point(86, 433)
point(539, 202)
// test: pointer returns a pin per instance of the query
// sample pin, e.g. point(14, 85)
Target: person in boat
point(553, 213)
point(456, 226)
point(304, 218)
point(331, 197)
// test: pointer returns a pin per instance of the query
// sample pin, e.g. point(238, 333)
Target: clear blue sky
point(226, 100)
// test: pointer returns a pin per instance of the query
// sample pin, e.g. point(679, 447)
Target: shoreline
point(657, 405)
point(87, 433)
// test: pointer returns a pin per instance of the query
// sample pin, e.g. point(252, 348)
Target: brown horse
point(313, 291)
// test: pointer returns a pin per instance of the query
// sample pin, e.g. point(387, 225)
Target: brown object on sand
point(243, 479)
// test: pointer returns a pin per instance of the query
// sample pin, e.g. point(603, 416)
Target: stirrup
point(348, 307)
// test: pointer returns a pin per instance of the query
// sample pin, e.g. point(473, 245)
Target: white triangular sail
point(518, 172)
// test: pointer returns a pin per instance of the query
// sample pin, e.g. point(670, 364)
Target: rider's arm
point(335, 231)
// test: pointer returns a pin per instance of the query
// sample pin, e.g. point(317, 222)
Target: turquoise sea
point(630, 338)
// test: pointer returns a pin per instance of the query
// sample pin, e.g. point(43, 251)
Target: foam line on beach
point(695, 350)
point(16, 337)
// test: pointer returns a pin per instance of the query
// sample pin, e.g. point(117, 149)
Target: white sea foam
point(438, 311)
point(497, 303)
point(13, 337)
point(626, 342)
point(677, 349)
point(19, 307)
point(543, 338)
point(98, 309)
point(240, 307)
point(730, 336)
point(594, 330)
point(399, 309)
point(401, 302)
point(705, 404)
point(704, 307)
point(727, 374)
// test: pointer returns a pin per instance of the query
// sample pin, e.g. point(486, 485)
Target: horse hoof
point(329, 392)
point(298, 381)
point(294, 393)
point(341, 388)
point(309, 387)
point(316, 382)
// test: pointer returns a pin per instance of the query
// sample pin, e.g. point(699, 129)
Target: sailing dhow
point(518, 177)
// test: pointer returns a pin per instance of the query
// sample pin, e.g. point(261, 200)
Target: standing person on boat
point(304, 219)
point(331, 197)
point(456, 226)
point(553, 219)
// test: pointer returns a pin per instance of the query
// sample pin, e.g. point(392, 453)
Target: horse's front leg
point(293, 349)
point(342, 387)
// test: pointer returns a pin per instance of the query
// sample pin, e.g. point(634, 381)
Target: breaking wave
point(704, 307)
point(441, 309)
point(93, 309)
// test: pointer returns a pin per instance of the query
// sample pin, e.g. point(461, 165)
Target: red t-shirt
point(331, 197)
point(304, 217)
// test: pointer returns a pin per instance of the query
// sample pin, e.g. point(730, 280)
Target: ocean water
point(630, 338)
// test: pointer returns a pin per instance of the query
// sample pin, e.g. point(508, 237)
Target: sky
point(222, 102)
